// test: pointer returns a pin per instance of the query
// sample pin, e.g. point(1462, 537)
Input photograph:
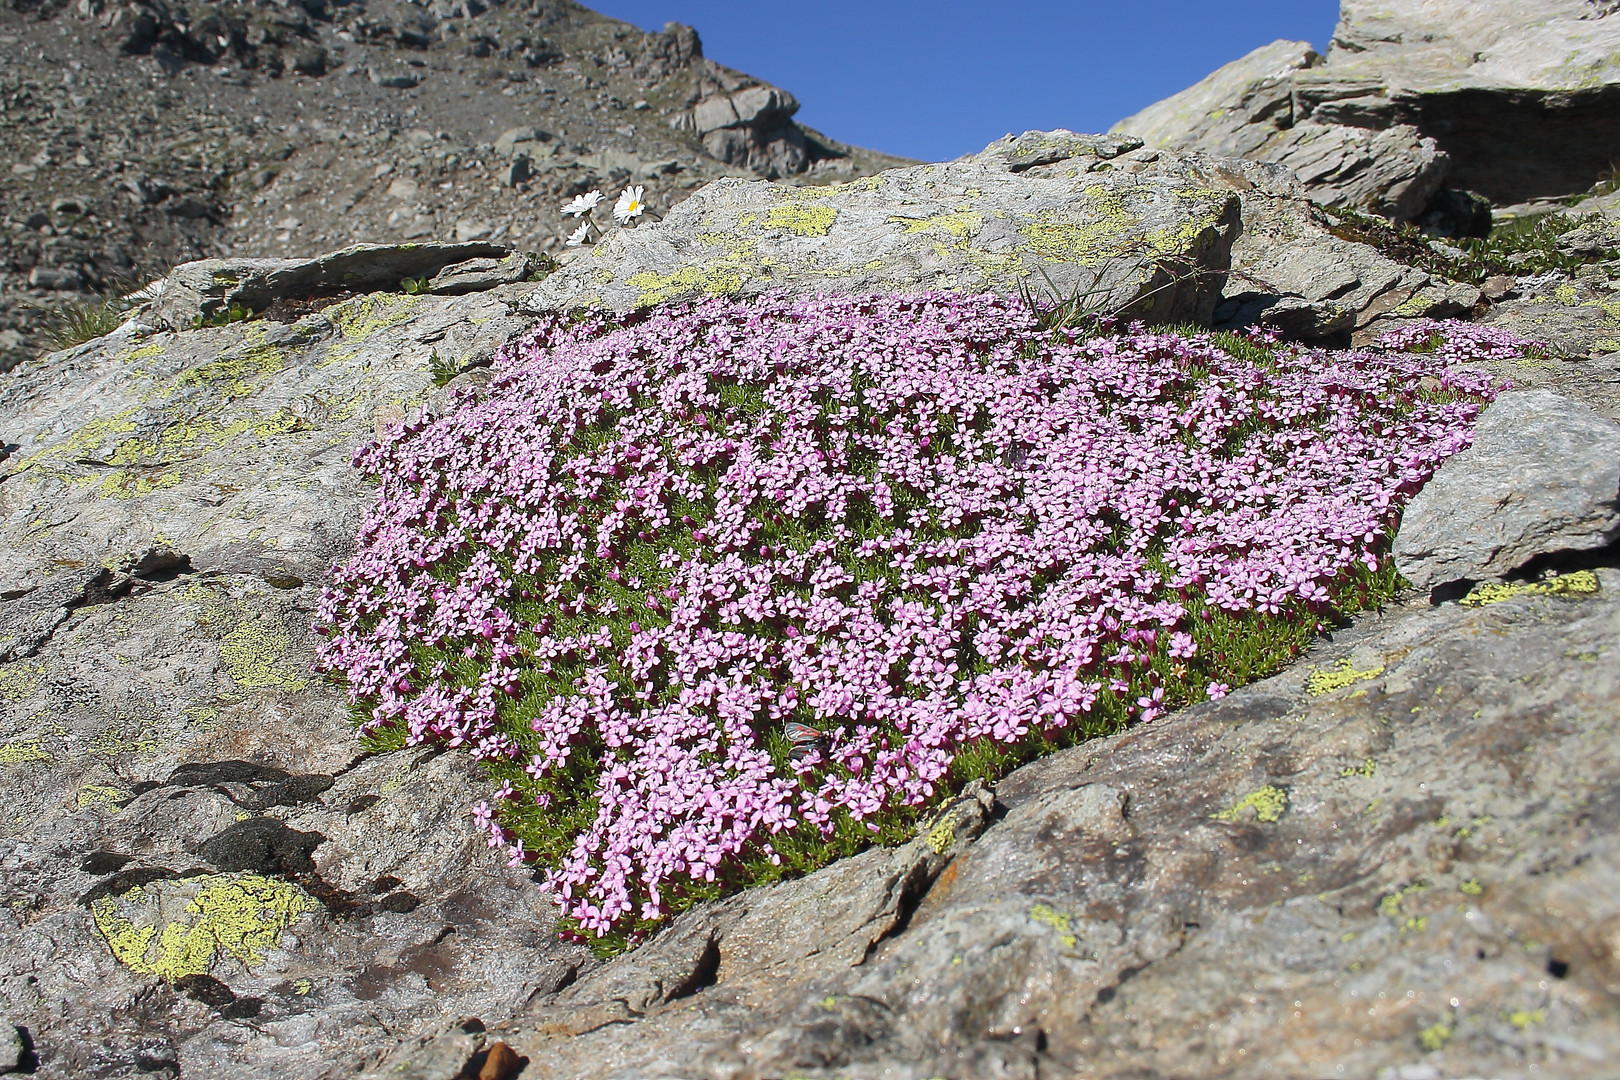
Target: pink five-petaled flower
point(1085, 514)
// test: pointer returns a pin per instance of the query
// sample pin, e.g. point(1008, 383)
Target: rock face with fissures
point(1153, 245)
point(202, 871)
point(1396, 854)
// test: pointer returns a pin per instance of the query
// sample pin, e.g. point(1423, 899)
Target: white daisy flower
point(629, 205)
point(579, 235)
point(582, 204)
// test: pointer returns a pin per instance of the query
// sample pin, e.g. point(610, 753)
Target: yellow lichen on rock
point(1046, 915)
point(100, 797)
point(961, 223)
point(362, 316)
point(252, 655)
point(723, 277)
point(225, 916)
point(22, 753)
point(1341, 675)
point(800, 219)
point(238, 370)
point(88, 437)
point(1268, 804)
point(1580, 583)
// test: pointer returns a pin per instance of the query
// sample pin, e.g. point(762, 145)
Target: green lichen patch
point(1390, 905)
point(145, 352)
point(942, 835)
point(19, 680)
point(1525, 1018)
point(1434, 1037)
point(254, 650)
point(239, 371)
point(1365, 770)
point(1580, 583)
point(1104, 228)
point(1268, 803)
point(252, 654)
point(1341, 675)
point(85, 440)
point(172, 929)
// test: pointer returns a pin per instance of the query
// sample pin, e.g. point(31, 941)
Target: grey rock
point(212, 750)
point(28, 620)
point(1542, 477)
point(1285, 249)
point(1593, 239)
point(1413, 95)
point(1221, 114)
point(519, 169)
point(478, 275)
point(515, 140)
point(754, 105)
point(213, 285)
point(1395, 172)
point(1579, 322)
point(1032, 149)
point(61, 280)
point(393, 79)
point(1153, 244)
point(11, 1045)
point(1298, 319)
point(443, 1058)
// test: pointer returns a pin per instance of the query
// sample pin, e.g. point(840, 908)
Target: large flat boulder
point(1152, 245)
point(1542, 478)
point(189, 819)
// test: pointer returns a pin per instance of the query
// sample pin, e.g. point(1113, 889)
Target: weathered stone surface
point(11, 1045)
point(210, 286)
point(519, 140)
point(172, 772)
point(1151, 244)
point(1151, 904)
point(1394, 172)
point(1414, 94)
point(480, 275)
point(1298, 319)
point(1543, 476)
point(1579, 322)
point(1220, 113)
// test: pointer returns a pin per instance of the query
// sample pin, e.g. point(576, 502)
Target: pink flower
point(759, 471)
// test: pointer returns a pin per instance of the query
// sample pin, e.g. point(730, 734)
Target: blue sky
point(937, 79)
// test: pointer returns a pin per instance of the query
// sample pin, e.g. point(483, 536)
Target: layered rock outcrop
point(1514, 102)
point(1395, 854)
